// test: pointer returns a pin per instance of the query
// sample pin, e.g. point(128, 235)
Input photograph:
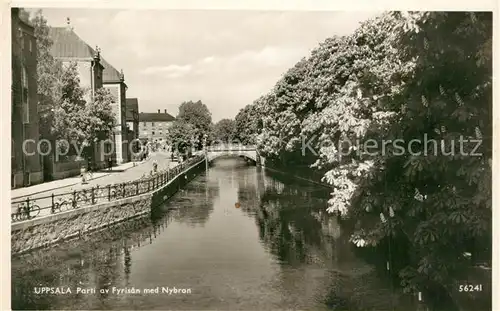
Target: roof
point(155, 117)
point(132, 105)
point(110, 74)
point(67, 44)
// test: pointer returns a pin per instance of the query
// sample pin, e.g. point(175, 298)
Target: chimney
point(68, 24)
point(165, 110)
point(158, 110)
point(97, 55)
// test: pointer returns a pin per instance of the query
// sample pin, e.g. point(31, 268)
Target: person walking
point(110, 163)
point(155, 166)
point(82, 174)
point(89, 168)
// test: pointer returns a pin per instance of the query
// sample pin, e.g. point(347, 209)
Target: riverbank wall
point(55, 228)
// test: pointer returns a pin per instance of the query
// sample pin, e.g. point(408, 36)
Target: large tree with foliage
point(49, 75)
point(77, 121)
point(248, 123)
point(224, 130)
point(181, 136)
point(198, 115)
point(99, 116)
point(437, 202)
point(399, 76)
point(68, 114)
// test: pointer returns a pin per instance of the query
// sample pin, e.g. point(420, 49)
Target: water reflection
point(314, 255)
point(278, 250)
point(79, 263)
point(194, 204)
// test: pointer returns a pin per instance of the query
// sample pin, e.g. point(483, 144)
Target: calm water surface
point(278, 250)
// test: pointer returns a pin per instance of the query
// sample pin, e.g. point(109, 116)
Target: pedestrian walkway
point(67, 182)
point(43, 198)
point(118, 174)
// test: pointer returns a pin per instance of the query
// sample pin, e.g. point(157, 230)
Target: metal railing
point(225, 147)
point(56, 203)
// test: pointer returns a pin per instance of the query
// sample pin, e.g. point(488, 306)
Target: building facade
point(153, 127)
point(132, 116)
point(132, 119)
point(26, 167)
point(69, 47)
point(95, 72)
point(114, 81)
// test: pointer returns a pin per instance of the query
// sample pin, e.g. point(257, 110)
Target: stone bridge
point(247, 152)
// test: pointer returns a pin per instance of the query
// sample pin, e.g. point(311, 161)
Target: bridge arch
point(247, 152)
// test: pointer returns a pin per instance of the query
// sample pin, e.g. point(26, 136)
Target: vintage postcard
point(216, 157)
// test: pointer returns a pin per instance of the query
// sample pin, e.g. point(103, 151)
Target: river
point(235, 238)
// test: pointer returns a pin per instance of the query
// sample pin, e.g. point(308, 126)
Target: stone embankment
point(51, 229)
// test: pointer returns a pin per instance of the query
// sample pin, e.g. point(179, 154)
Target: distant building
point(132, 119)
point(114, 81)
point(132, 116)
point(26, 165)
point(94, 73)
point(154, 126)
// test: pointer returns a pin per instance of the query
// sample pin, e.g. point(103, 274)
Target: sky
point(226, 59)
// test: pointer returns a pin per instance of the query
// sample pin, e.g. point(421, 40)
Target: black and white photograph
point(219, 158)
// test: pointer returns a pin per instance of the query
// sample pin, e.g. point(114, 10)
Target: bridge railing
point(231, 147)
point(57, 203)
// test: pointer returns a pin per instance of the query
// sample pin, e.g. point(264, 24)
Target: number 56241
point(470, 288)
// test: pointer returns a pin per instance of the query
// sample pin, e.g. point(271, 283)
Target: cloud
point(235, 64)
point(81, 19)
point(170, 71)
point(208, 59)
point(226, 58)
point(269, 56)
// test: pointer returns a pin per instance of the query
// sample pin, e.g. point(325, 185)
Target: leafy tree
point(224, 130)
point(63, 112)
point(68, 115)
point(198, 115)
point(80, 122)
point(211, 138)
point(181, 136)
point(399, 76)
point(437, 202)
point(99, 120)
point(248, 123)
point(49, 75)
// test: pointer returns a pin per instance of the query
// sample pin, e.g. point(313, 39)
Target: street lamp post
point(205, 151)
point(169, 154)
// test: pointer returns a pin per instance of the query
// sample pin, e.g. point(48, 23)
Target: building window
point(152, 124)
point(21, 37)
point(25, 97)
point(153, 132)
point(31, 47)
